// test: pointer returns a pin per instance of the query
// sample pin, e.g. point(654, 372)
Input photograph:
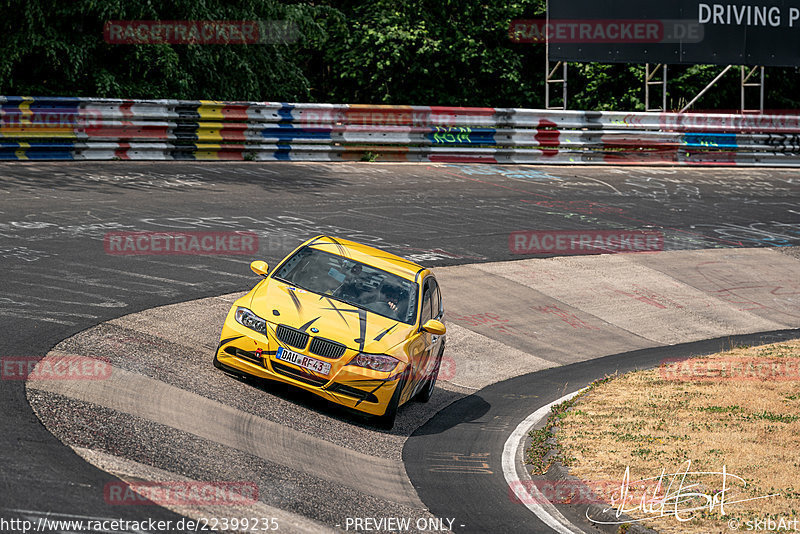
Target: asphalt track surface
point(58, 279)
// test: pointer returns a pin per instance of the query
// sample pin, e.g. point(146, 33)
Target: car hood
point(354, 327)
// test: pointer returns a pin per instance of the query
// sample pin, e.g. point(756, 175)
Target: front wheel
point(386, 421)
point(217, 363)
point(228, 370)
point(426, 392)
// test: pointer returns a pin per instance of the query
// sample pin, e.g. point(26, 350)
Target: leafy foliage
point(432, 52)
point(57, 48)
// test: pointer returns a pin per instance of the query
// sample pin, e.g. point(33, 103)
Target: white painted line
point(38, 513)
point(139, 275)
point(234, 260)
point(204, 268)
point(533, 498)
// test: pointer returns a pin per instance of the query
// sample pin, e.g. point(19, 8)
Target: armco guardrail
point(49, 128)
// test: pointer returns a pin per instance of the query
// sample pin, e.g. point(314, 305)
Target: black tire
point(426, 392)
point(386, 421)
point(217, 363)
point(227, 370)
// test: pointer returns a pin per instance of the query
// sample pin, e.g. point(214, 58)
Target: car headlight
point(376, 362)
point(249, 319)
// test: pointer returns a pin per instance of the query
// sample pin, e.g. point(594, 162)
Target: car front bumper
point(245, 351)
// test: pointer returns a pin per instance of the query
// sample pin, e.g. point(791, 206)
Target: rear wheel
point(426, 392)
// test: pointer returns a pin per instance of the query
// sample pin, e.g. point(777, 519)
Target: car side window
point(427, 305)
point(438, 310)
point(436, 299)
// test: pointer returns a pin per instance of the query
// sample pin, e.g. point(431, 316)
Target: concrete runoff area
point(132, 472)
point(506, 319)
point(167, 405)
point(563, 310)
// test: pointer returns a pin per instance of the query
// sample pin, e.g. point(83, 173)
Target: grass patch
point(648, 421)
point(720, 409)
point(776, 417)
point(541, 453)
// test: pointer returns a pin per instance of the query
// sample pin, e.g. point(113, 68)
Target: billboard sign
point(759, 32)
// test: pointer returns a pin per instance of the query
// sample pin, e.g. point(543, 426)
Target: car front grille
point(326, 348)
point(298, 375)
point(292, 337)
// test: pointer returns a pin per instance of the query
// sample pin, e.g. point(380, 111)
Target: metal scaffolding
point(551, 79)
point(747, 74)
point(650, 80)
point(748, 80)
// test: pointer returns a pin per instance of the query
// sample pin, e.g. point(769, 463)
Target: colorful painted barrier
point(53, 128)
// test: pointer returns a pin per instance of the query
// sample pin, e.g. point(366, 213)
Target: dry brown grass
point(650, 421)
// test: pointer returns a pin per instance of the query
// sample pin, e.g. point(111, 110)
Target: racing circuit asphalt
point(58, 280)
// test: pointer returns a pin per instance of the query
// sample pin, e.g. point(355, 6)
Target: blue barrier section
point(287, 132)
point(710, 140)
point(285, 111)
point(36, 151)
point(282, 154)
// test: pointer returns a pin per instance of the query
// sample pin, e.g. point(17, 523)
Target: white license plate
point(307, 362)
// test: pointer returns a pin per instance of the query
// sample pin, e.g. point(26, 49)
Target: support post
point(551, 79)
point(551, 73)
point(746, 76)
point(650, 80)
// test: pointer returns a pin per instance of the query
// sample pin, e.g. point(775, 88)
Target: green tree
point(57, 48)
point(427, 52)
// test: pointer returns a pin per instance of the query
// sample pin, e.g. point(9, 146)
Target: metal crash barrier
point(50, 128)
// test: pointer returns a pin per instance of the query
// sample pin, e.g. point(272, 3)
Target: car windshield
point(352, 282)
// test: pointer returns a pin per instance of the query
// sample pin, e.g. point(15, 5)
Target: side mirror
point(260, 267)
point(432, 326)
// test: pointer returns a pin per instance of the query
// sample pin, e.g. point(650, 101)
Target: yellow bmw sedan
point(354, 324)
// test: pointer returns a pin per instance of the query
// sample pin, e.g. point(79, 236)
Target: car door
point(422, 356)
point(435, 342)
point(437, 305)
